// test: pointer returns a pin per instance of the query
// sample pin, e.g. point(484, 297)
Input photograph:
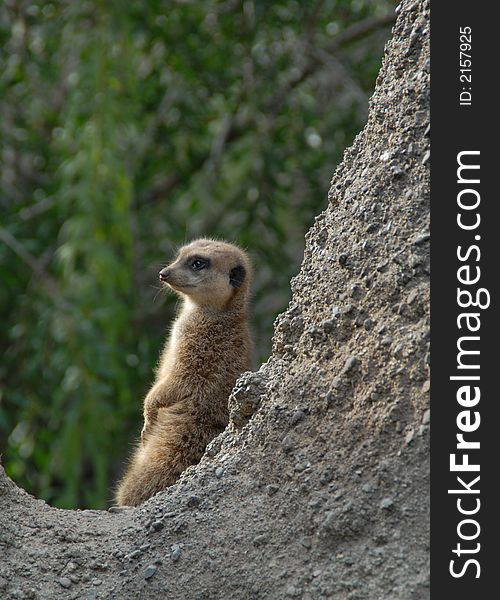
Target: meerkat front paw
point(147, 427)
point(144, 431)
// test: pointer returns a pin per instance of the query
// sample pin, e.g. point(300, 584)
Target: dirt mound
point(319, 486)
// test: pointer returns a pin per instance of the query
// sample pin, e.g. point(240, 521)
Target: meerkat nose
point(164, 274)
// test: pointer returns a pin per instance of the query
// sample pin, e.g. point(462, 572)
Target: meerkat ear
point(237, 276)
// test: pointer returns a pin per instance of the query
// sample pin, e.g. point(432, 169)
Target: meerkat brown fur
point(208, 348)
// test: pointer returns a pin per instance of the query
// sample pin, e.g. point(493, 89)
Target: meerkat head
point(210, 273)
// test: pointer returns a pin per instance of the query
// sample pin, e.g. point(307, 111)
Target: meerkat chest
point(201, 344)
point(170, 352)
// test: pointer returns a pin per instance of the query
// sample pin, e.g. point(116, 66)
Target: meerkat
point(208, 348)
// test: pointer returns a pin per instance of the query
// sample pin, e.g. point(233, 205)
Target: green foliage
point(128, 128)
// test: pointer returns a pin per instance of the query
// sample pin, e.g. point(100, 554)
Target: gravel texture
point(319, 486)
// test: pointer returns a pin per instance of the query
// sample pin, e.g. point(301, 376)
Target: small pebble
point(297, 416)
point(65, 582)
point(387, 503)
point(349, 364)
point(193, 501)
point(157, 525)
point(421, 238)
point(219, 472)
point(260, 540)
point(368, 324)
point(326, 476)
point(336, 383)
point(176, 553)
point(150, 571)
point(409, 436)
point(343, 258)
point(271, 489)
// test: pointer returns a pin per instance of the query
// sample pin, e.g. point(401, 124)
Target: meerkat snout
point(164, 275)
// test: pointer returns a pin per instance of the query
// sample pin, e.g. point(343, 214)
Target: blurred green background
point(126, 129)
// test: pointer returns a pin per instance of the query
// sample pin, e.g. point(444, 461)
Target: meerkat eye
point(199, 263)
